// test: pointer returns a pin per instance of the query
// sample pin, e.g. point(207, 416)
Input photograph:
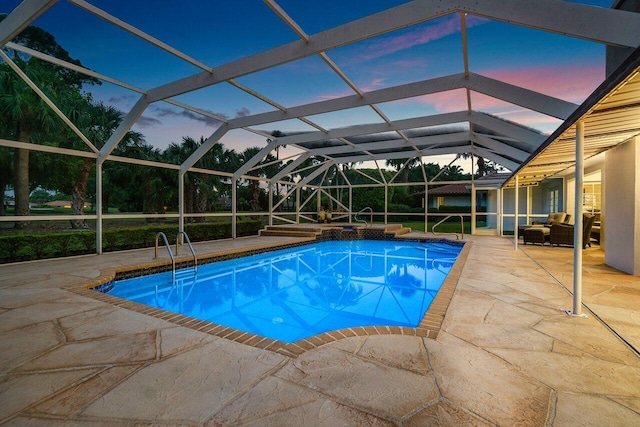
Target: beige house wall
point(622, 200)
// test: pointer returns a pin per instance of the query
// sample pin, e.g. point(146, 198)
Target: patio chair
point(562, 234)
point(552, 218)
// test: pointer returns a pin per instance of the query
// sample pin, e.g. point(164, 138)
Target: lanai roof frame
point(506, 143)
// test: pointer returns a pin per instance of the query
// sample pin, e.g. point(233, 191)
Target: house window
point(553, 200)
point(439, 201)
point(591, 197)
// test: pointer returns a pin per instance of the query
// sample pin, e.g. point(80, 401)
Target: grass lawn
point(447, 227)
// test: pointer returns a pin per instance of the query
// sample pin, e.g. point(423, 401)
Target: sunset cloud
point(170, 112)
point(573, 83)
point(145, 122)
point(165, 112)
point(423, 34)
point(570, 83)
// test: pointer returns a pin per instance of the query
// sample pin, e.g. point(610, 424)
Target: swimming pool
point(295, 293)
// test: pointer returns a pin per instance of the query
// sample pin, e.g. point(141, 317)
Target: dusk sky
point(216, 32)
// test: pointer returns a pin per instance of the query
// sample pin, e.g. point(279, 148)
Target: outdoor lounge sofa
point(562, 234)
point(552, 218)
point(539, 231)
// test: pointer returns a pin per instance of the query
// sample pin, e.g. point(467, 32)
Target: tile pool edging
point(429, 326)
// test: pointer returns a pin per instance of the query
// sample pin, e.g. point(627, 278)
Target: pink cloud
point(486, 103)
point(443, 102)
point(329, 96)
point(540, 122)
point(570, 83)
point(374, 84)
point(573, 83)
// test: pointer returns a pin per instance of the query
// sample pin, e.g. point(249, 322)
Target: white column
point(386, 202)
point(515, 214)
point(297, 204)
point(234, 206)
point(181, 205)
point(98, 208)
point(578, 223)
point(350, 204)
point(499, 212)
point(472, 229)
point(426, 206)
point(528, 205)
point(270, 187)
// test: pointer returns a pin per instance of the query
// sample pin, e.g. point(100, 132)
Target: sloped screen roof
point(344, 81)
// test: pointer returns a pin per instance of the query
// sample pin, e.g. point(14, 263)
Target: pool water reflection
point(296, 293)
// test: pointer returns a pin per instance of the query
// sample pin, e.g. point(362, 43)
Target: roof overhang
point(610, 115)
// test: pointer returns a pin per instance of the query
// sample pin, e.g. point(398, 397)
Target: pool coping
point(429, 326)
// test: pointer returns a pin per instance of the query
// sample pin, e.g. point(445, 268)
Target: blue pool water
point(296, 293)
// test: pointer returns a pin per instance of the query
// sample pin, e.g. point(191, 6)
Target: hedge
point(454, 209)
point(26, 247)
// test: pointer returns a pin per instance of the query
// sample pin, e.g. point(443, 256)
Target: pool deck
point(506, 354)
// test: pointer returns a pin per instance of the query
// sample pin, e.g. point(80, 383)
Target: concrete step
point(316, 230)
point(391, 227)
point(289, 233)
point(402, 231)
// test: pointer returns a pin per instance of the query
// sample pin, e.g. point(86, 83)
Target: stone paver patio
point(506, 354)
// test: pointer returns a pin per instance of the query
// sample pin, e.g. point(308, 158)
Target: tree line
point(25, 117)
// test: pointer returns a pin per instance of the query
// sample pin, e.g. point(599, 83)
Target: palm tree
point(397, 164)
point(199, 188)
point(247, 155)
point(97, 122)
point(484, 167)
point(453, 173)
point(24, 114)
point(138, 188)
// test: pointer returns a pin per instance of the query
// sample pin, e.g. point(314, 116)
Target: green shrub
point(397, 207)
point(25, 247)
point(454, 209)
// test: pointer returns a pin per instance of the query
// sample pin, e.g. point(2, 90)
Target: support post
point(234, 206)
point(270, 187)
point(472, 228)
point(181, 205)
point(386, 202)
point(426, 206)
point(297, 204)
point(528, 205)
point(98, 208)
point(578, 223)
point(500, 216)
point(515, 214)
point(350, 204)
point(474, 207)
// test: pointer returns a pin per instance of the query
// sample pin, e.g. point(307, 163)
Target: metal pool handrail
point(195, 258)
point(173, 260)
point(358, 219)
point(446, 218)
